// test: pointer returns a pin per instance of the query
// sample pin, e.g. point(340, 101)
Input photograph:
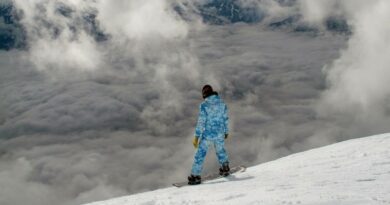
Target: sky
point(84, 120)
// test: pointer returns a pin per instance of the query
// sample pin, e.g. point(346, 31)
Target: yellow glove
point(195, 141)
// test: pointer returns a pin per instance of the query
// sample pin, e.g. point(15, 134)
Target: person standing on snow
point(211, 129)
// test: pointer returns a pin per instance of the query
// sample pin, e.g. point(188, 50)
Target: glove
point(226, 136)
point(195, 141)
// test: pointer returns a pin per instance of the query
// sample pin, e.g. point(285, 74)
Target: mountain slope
point(349, 173)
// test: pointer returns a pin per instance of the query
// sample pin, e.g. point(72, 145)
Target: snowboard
point(213, 176)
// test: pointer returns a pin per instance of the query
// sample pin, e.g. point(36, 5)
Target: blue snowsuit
point(211, 128)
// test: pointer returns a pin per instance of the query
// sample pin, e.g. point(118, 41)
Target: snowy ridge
point(352, 172)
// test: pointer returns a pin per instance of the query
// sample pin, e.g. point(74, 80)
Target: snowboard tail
point(213, 176)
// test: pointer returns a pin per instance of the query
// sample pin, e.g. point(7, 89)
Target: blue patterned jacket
point(213, 119)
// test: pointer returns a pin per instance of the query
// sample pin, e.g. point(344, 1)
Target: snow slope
point(348, 173)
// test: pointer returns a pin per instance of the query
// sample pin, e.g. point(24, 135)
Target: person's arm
point(200, 125)
point(226, 121)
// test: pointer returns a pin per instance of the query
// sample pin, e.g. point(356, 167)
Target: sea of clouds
point(84, 118)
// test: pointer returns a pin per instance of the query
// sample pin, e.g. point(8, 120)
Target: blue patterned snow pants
point(219, 145)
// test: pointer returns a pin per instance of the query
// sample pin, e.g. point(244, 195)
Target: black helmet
point(207, 90)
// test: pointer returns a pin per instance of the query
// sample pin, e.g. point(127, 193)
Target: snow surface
point(352, 172)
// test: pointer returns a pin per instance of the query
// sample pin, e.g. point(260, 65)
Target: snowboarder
point(211, 129)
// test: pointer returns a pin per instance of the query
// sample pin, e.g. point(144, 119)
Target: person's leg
point(222, 155)
point(199, 157)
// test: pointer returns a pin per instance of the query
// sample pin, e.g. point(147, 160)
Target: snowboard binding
point(224, 170)
point(193, 180)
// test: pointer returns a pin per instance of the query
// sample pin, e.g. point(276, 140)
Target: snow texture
point(352, 172)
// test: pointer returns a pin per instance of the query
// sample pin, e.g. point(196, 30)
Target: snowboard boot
point(193, 180)
point(224, 170)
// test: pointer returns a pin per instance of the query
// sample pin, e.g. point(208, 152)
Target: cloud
point(15, 175)
point(56, 36)
point(126, 131)
point(83, 119)
point(62, 34)
point(357, 83)
point(121, 97)
point(143, 20)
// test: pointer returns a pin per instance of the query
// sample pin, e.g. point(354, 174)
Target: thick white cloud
point(315, 12)
point(141, 20)
point(59, 38)
point(57, 41)
point(358, 79)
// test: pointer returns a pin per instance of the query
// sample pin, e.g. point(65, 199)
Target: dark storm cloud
point(79, 130)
